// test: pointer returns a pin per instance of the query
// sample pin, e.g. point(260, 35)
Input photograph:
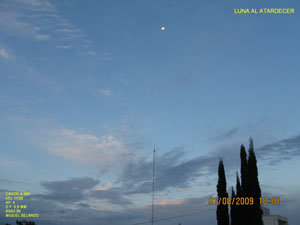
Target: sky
point(87, 88)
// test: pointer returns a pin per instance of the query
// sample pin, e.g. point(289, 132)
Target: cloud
point(83, 212)
point(175, 172)
point(170, 202)
point(64, 46)
point(107, 56)
point(10, 163)
point(262, 131)
point(74, 184)
point(172, 172)
point(11, 22)
point(101, 152)
point(90, 52)
point(41, 21)
point(42, 80)
point(11, 182)
point(112, 195)
point(71, 190)
point(225, 135)
point(105, 187)
point(37, 5)
point(83, 205)
point(42, 37)
point(106, 92)
point(279, 151)
point(78, 191)
point(5, 54)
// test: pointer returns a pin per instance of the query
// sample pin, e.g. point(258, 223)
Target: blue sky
point(88, 87)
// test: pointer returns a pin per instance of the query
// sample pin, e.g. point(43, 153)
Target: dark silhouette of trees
point(255, 212)
point(233, 208)
point(244, 169)
point(242, 214)
point(244, 209)
point(222, 209)
point(238, 208)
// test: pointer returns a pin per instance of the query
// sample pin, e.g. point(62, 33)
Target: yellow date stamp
point(243, 201)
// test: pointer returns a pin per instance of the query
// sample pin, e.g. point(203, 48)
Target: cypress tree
point(255, 212)
point(244, 209)
point(233, 212)
point(244, 169)
point(239, 208)
point(238, 186)
point(222, 209)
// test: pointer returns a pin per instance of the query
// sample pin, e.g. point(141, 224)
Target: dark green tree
point(255, 212)
point(243, 214)
point(233, 213)
point(244, 209)
point(222, 209)
point(244, 169)
point(238, 186)
point(239, 208)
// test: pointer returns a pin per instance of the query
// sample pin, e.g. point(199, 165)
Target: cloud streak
point(279, 151)
point(106, 92)
point(41, 21)
point(5, 54)
point(75, 190)
point(101, 152)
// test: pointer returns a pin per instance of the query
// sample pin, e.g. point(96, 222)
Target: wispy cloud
point(5, 54)
point(64, 46)
point(90, 52)
point(105, 187)
point(172, 171)
point(76, 190)
point(263, 130)
point(279, 151)
point(102, 152)
point(107, 57)
point(175, 172)
point(36, 5)
point(12, 20)
point(106, 92)
point(170, 202)
point(10, 163)
point(41, 21)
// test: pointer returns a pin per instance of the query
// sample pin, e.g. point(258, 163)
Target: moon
point(162, 28)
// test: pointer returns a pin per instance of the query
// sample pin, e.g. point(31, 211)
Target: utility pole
point(153, 180)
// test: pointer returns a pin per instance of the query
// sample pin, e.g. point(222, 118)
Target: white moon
point(162, 28)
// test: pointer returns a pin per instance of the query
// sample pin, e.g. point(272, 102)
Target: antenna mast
point(62, 217)
point(153, 179)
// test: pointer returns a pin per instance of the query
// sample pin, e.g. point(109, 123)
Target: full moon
point(162, 28)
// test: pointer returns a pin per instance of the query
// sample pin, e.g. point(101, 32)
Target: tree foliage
point(222, 209)
point(247, 187)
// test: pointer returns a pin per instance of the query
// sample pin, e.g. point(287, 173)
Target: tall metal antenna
point(62, 215)
point(153, 179)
